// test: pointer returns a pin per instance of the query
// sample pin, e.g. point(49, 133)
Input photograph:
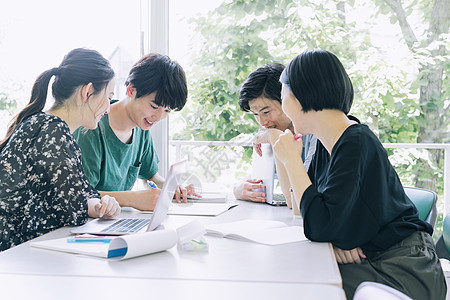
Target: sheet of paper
point(200, 209)
point(197, 209)
point(243, 226)
point(274, 236)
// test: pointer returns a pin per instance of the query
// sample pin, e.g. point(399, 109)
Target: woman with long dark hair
point(42, 182)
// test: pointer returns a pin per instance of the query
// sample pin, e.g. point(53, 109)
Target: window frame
point(157, 35)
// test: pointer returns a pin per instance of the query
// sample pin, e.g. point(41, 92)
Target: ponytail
point(36, 104)
point(78, 68)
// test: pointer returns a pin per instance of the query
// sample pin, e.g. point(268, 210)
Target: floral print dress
point(42, 183)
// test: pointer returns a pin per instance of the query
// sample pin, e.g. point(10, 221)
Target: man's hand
point(247, 190)
point(145, 200)
point(265, 136)
point(182, 193)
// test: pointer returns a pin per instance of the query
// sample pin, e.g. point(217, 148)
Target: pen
point(297, 136)
point(91, 239)
point(152, 184)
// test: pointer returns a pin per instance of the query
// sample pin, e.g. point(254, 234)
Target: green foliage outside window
point(404, 101)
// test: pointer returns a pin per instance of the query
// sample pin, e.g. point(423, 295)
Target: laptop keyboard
point(127, 225)
point(278, 200)
point(279, 197)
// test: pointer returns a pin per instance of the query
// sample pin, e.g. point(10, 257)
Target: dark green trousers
point(410, 266)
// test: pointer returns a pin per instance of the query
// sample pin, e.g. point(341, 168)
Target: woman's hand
point(245, 190)
point(287, 147)
point(348, 256)
point(106, 208)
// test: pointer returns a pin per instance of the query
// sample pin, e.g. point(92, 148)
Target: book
point(266, 232)
point(119, 248)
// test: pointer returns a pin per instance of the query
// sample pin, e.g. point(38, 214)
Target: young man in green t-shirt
point(121, 149)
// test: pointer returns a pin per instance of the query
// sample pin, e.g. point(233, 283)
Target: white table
point(45, 287)
point(227, 265)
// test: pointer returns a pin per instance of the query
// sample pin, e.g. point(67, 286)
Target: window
point(400, 77)
point(36, 39)
point(400, 74)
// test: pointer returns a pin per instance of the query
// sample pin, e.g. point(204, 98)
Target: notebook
point(268, 232)
point(263, 167)
point(134, 225)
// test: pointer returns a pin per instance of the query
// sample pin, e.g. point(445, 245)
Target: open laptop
point(263, 167)
point(135, 225)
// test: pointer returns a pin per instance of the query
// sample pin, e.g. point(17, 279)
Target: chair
point(443, 242)
point(369, 290)
point(425, 202)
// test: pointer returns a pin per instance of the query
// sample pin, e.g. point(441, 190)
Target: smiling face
point(145, 112)
point(294, 111)
point(269, 114)
point(99, 105)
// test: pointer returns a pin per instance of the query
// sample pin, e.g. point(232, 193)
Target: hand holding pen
point(146, 199)
point(288, 146)
point(185, 192)
point(152, 184)
point(181, 192)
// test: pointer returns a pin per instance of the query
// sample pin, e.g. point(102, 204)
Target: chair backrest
point(446, 232)
point(425, 201)
point(369, 290)
point(443, 242)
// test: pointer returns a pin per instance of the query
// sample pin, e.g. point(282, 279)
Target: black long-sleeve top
point(356, 198)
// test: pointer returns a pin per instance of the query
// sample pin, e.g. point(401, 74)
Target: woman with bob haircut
point(351, 195)
point(42, 183)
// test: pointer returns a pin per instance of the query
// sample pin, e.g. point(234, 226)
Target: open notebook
point(266, 232)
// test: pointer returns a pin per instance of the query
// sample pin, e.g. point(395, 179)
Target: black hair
point(263, 82)
point(78, 68)
point(158, 73)
point(319, 81)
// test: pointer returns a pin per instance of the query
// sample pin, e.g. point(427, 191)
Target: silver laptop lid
point(263, 167)
point(166, 196)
